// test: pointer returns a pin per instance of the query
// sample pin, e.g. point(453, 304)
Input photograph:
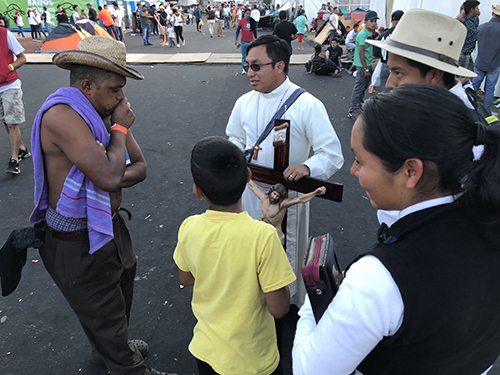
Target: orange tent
point(93, 28)
point(67, 36)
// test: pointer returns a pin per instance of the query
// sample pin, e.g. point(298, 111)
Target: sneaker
point(13, 167)
point(243, 72)
point(24, 154)
point(183, 43)
point(178, 45)
point(352, 115)
point(150, 44)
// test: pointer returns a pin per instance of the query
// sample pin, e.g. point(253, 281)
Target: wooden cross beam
point(334, 191)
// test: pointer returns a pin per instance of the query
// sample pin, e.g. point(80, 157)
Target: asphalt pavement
point(175, 106)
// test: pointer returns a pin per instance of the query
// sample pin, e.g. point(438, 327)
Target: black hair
point(75, 6)
point(469, 5)
point(317, 48)
point(44, 8)
point(448, 78)
point(99, 7)
point(219, 169)
point(282, 14)
point(276, 49)
point(80, 72)
point(429, 123)
point(115, 4)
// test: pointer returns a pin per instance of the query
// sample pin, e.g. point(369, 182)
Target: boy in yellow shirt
point(238, 268)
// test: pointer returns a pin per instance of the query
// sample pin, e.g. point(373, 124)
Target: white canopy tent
point(449, 7)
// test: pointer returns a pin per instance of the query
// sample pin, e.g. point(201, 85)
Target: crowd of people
point(112, 20)
point(422, 300)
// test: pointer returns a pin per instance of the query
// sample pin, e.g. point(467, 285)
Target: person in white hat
point(488, 56)
point(425, 48)
point(84, 154)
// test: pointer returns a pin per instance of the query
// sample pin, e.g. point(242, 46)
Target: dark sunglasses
point(255, 67)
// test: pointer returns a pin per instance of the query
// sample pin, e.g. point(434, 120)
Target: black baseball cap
point(371, 15)
point(396, 15)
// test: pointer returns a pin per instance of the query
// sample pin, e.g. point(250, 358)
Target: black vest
point(449, 280)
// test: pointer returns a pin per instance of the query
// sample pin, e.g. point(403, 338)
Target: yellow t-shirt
point(234, 260)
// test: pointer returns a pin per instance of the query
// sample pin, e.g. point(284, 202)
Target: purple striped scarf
point(80, 198)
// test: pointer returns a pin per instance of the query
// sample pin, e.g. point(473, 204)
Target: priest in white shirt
point(310, 127)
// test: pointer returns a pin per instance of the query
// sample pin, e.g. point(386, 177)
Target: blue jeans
point(21, 31)
point(489, 86)
point(48, 26)
point(244, 46)
point(226, 22)
point(358, 92)
point(116, 33)
point(145, 33)
point(384, 75)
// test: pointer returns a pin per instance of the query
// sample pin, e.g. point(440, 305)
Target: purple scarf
point(80, 198)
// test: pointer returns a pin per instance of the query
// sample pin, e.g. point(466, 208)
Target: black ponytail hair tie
point(480, 134)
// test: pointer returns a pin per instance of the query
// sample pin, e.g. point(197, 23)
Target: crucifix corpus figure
point(276, 202)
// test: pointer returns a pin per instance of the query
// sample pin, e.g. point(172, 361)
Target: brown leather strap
point(70, 236)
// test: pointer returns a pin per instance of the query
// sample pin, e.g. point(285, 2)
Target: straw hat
point(100, 52)
point(429, 38)
point(496, 9)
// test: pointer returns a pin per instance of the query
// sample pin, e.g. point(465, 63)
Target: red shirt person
point(248, 29)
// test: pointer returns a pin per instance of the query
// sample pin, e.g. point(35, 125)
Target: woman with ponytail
point(425, 298)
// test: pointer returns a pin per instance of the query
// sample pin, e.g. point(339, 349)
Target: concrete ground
point(175, 106)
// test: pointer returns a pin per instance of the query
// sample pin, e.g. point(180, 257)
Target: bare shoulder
point(58, 115)
point(63, 125)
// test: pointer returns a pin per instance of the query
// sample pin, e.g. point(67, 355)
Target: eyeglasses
point(255, 67)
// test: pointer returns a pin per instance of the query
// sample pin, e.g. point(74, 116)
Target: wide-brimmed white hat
point(496, 9)
point(100, 52)
point(429, 38)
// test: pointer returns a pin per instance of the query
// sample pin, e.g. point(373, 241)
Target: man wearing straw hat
point(425, 48)
point(84, 153)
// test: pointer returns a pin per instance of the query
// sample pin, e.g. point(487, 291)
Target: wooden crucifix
point(281, 145)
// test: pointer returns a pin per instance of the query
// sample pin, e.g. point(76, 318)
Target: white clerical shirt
point(310, 127)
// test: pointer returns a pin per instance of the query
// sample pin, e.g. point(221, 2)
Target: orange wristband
point(120, 128)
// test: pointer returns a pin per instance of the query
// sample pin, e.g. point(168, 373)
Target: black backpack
point(317, 62)
point(480, 113)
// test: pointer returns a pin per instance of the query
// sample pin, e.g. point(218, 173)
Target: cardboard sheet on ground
point(323, 34)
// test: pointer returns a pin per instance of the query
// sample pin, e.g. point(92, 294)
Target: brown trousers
point(99, 288)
